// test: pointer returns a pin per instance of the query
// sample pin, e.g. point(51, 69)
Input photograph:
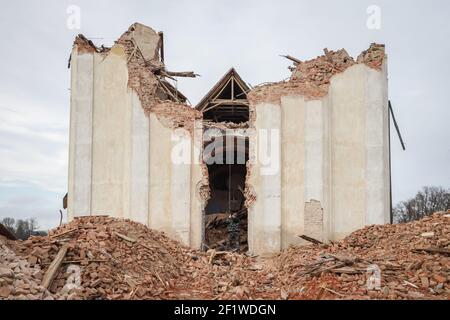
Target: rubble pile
point(117, 259)
point(106, 258)
point(18, 280)
point(320, 70)
point(411, 261)
point(216, 232)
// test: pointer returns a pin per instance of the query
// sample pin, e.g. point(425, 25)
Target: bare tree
point(426, 202)
point(8, 223)
point(22, 229)
point(33, 225)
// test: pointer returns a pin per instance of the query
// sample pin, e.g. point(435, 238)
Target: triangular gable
point(230, 84)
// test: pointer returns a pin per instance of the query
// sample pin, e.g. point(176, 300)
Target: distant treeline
point(427, 201)
point(23, 229)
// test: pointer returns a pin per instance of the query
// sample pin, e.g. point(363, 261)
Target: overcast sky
point(209, 37)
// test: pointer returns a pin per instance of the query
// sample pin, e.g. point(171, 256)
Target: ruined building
point(306, 156)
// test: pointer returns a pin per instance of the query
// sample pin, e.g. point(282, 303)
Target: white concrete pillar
point(197, 203)
point(160, 176)
point(139, 182)
point(376, 147)
point(314, 169)
point(265, 214)
point(348, 151)
point(81, 135)
point(292, 170)
point(180, 190)
point(326, 169)
point(314, 150)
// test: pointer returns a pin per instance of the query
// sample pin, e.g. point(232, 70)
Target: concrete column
point(292, 171)
point(326, 168)
point(314, 150)
point(386, 147)
point(376, 148)
point(348, 150)
point(265, 215)
point(180, 190)
point(160, 176)
point(111, 142)
point(197, 204)
point(314, 169)
point(139, 182)
point(81, 135)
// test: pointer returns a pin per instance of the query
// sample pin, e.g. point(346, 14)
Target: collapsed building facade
point(306, 156)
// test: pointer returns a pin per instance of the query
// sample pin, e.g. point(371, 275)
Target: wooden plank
point(332, 291)
point(80, 261)
point(309, 239)
point(222, 89)
point(188, 74)
point(432, 250)
point(168, 91)
point(124, 237)
point(52, 270)
point(161, 49)
point(295, 60)
point(236, 102)
point(64, 233)
point(346, 270)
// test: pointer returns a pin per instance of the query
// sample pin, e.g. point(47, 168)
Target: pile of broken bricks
point(410, 260)
point(107, 258)
point(217, 235)
point(319, 71)
point(116, 259)
point(20, 281)
point(311, 78)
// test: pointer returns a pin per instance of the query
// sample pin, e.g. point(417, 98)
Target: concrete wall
point(328, 174)
point(334, 163)
point(360, 149)
point(292, 168)
point(80, 148)
point(120, 158)
point(264, 217)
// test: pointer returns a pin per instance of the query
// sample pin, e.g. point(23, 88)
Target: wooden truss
point(227, 100)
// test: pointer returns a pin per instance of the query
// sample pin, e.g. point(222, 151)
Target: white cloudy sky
point(209, 37)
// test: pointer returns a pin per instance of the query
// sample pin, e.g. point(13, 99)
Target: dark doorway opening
point(227, 185)
point(225, 211)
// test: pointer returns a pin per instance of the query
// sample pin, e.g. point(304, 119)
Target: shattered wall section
point(334, 148)
point(176, 115)
point(126, 146)
point(142, 45)
point(311, 78)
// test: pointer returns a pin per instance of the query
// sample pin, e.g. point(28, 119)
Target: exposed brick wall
point(314, 220)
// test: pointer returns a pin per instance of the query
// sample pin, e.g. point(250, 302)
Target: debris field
point(99, 257)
